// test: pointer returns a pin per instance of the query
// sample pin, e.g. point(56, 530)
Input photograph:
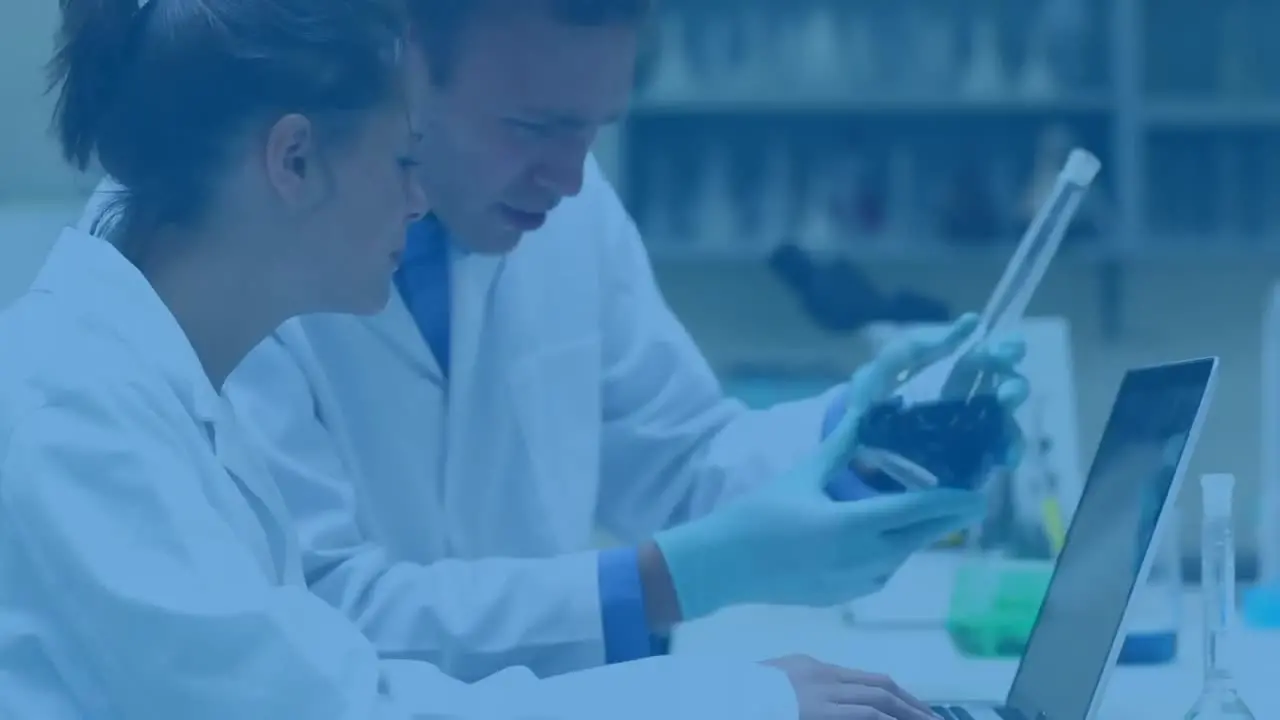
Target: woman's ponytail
point(93, 45)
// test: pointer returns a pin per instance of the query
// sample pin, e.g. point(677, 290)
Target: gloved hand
point(998, 363)
point(967, 431)
point(788, 543)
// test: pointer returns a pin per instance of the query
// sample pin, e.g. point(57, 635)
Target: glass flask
point(1219, 699)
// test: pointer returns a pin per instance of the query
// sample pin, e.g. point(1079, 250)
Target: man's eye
point(530, 128)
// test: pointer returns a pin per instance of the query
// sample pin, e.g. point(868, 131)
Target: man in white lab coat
point(449, 460)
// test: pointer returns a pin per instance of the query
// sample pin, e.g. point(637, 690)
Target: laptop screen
point(1131, 476)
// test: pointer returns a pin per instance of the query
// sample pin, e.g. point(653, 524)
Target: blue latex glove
point(788, 543)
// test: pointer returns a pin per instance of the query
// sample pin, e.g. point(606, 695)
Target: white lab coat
point(455, 522)
point(148, 568)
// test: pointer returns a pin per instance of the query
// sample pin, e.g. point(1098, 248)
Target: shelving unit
point(903, 139)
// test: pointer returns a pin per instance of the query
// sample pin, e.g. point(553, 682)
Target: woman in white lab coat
point(147, 566)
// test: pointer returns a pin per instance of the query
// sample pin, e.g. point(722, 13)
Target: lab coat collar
point(472, 279)
point(101, 283)
point(396, 327)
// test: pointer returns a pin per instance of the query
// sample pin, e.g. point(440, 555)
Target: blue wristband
point(622, 609)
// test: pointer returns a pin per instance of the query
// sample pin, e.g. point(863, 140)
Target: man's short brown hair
point(437, 24)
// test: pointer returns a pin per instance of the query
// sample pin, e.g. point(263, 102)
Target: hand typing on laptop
point(828, 692)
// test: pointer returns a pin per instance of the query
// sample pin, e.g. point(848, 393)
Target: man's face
point(506, 136)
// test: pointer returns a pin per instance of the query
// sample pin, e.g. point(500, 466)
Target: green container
point(994, 605)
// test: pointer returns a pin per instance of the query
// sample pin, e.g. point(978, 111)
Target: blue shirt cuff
point(622, 610)
point(844, 484)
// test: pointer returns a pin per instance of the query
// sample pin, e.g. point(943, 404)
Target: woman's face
point(358, 233)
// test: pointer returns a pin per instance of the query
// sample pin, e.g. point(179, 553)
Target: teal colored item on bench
point(1262, 607)
point(994, 605)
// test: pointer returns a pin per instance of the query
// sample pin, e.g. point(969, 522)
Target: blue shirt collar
point(426, 240)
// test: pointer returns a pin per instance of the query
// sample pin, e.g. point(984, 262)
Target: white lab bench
point(899, 632)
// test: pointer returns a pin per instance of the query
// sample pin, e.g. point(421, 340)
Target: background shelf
point(918, 130)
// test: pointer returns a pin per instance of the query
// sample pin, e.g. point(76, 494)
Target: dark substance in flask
point(957, 441)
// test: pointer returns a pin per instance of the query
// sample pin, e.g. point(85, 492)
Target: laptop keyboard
point(955, 712)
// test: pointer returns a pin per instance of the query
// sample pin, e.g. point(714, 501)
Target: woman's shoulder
point(59, 359)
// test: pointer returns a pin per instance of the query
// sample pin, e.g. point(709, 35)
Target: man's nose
point(561, 170)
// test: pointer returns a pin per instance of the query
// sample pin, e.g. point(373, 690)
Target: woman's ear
point(292, 162)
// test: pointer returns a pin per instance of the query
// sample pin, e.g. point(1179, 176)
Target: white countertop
point(900, 633)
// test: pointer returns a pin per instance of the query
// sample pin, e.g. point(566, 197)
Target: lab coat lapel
point(474, 277)
point(247, 468)
point(395, 327)
point(473, 281)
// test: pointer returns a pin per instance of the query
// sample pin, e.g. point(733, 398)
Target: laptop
point(1135, 477)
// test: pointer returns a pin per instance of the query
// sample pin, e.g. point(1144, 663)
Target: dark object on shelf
point(909, 307)
point(841, 298)
point(957, 441)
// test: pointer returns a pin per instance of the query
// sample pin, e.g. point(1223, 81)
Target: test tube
point(1021, 277)
point(1039, 245)
point(1003, 311)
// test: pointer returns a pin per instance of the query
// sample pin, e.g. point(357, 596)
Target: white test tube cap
point(1081, 167)
point(1215, 493)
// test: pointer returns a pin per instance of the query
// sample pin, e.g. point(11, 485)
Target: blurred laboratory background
point(811, 176)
